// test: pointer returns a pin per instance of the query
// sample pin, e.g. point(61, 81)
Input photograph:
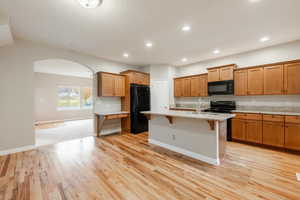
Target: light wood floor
point(127, 167)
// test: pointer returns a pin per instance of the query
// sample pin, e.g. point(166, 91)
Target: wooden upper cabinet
point(106, 84)
point(292, 78)
point(119, 86)
point(241, 82)
point(141, 78)
point(186, 89)
point(256, 81)
point(273, 80)
point(196, 86)
point(213, 75)
point(110, 85)
point(192, 86)
point(203, 86)
point(226, 73)
point(178, 87)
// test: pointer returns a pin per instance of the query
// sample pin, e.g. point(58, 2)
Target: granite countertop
point(270, 110)
point(111, 113)
point(189, 114)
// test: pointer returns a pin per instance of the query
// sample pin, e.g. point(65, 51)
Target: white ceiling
point(119, 26)
point(62, 67)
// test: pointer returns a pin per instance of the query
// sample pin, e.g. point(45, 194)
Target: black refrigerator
point(140, 101)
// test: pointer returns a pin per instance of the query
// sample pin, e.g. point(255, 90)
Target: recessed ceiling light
point(126, 55)
point(264, 39)
point(149, 44)
point(90, 3)
point(186, 28)
point(217, 51)
point(184, 59)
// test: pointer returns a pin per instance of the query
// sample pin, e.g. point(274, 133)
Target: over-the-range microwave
point(221, 88)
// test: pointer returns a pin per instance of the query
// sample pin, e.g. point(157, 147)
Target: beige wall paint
point(46, 97)
point(17, 87)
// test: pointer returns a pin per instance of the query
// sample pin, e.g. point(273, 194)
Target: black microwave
point(221, 88)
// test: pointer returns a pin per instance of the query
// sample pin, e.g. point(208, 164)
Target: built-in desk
point(102, 116)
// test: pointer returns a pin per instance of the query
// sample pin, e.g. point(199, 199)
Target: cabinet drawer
point(254, 116)
point(240, 115)
point(273, 118)
point(116, 116)
point(292, 119)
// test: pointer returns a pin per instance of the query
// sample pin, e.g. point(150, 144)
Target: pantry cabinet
point(273, 80)
point(110, 85)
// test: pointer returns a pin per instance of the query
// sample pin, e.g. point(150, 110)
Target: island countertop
point(189, 114)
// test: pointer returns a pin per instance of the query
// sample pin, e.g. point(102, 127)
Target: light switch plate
point(298, 176)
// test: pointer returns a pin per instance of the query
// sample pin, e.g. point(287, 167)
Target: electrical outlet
point(298, 176)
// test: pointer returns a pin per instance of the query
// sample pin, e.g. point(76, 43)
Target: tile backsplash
point(268, 101)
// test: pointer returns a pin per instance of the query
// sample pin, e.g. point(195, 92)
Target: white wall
point(17, 87)
point(46, 97)
point(161, 77)
point(284, 52)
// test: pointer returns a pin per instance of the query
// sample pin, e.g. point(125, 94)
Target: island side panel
point(222, 128)
point(191, 137)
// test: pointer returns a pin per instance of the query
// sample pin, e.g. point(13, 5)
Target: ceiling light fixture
point(217, 51)
point(126, 55)
point(90, 3)
point(264, 39)
point(254, 1)
point(186, 28)
point(184, 59)
point(149, 44)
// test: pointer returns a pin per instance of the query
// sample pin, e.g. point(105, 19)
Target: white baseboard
point(17, 150)
point(185, 152)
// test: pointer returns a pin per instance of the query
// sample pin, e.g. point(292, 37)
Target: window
point(87, 97)
point(74, 98)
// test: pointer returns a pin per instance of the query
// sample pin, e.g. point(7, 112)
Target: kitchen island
point(198, 135)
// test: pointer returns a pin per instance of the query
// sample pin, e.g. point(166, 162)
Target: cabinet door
point(119, 86)
point(213, 75)
point(292, 78)
point(195, 86)
point(226, 73)
point(273, 134)
point(107, 85)
point(203, 86)
point(178, 87)
point(254, 131)
point(238, 129)
point(292, 136)
point(273, 79)
point(186, 87)
point(241, 82)
point(256, 81)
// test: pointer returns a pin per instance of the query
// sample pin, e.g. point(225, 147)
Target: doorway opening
point(64, 101)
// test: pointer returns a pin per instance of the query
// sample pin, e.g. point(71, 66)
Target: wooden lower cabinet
point(292, 136)
point(238, 129)
point(254, 131)
point(273, 134)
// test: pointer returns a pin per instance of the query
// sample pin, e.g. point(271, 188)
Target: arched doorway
point(64, 101)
